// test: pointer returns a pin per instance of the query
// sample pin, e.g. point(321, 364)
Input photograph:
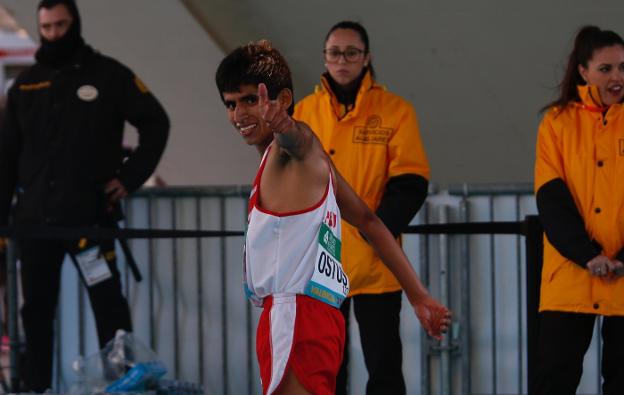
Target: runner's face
point(605, 70)
point(344, 71)
point(54, 22)
point(244, 114)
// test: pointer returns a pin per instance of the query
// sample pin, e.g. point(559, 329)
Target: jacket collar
point(590, 101)
point(590, 98)
point(77, 60)
point(368, 83)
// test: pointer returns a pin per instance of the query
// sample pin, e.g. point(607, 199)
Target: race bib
point(93, 266)
point(329, 283)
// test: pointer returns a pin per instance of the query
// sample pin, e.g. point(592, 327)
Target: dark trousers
point(378, 319)
point(562, 343)
point(41, 262)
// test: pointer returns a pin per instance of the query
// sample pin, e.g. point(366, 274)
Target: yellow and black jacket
point(376, 146)
point(578, 172)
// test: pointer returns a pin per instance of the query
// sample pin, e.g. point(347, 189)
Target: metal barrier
point(191, 310)
point(484, 353)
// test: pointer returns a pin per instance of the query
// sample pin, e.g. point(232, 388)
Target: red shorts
point(301, 334)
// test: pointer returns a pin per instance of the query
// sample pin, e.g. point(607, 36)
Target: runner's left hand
point(433, 316)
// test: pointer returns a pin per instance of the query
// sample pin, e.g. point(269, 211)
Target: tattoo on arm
point(295, 142)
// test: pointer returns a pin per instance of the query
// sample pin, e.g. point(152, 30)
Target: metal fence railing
point(190, 308)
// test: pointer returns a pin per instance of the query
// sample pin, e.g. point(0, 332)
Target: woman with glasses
point(373, 139)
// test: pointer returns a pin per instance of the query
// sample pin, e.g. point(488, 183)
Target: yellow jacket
point(376, 140)
point(586, 150)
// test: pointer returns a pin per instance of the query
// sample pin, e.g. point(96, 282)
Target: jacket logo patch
point(140, 85)
point(621, 147)
point(372, 132)
point(87, 93)
point(34, 87)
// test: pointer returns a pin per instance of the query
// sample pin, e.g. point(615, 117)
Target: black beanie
point(60, 52)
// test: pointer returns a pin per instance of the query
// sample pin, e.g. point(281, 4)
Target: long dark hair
point(588, 39)
point(359, 29)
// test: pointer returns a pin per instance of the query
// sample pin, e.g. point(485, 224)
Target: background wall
point(477, 72)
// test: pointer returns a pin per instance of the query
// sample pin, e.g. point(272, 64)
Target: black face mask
point(58, 53)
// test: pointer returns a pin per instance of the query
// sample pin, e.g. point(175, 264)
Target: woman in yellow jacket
point(373, 139)
point(579, 172)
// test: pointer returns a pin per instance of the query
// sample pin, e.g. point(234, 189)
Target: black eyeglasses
point(350, 55)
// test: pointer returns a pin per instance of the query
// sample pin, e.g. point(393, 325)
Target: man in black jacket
point(61, 155)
